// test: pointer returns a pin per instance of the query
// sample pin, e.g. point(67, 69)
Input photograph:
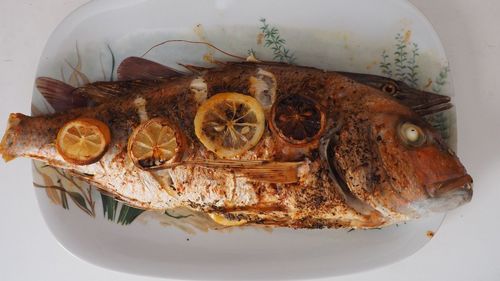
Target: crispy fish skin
point(354, 112)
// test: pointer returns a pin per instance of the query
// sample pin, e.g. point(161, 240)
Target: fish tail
point(32, 137)
point(7, 146)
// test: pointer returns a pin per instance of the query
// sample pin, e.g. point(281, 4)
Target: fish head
point(387, 156)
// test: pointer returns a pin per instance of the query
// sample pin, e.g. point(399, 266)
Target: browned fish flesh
point(333, 152)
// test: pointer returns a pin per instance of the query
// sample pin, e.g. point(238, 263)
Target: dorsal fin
point(422, 102)
point(59, 95)
point(99, 92)
point(194, 68)
point(62, 96)
point(133, 68)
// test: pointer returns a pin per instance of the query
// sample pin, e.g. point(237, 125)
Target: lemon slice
point(297, 119)
point(83, 141)
point(229, 124)
point(222, 220)
point(155, 143)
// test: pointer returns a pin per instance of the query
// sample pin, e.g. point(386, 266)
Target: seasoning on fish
point(255, 143)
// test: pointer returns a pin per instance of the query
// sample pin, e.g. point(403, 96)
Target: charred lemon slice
point(155, 143)
point(83, 141)
point(297, 119)
point(222, 220)
point(229, 123)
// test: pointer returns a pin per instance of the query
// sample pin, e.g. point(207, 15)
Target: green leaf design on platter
point(109, 206)
point(112, 63)
point(252, 53)
point(128, 214)
point(64, 200)
point(441, 80)
point(439, 120)
point(440, 123)
point(177, 216)
point(400, 58)
point(78, 199)
point(412, 66)
point(274, 41)
point(385, 65)
point(404, 66)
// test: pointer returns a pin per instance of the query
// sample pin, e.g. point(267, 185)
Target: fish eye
point(390, 88)
point(411, 134)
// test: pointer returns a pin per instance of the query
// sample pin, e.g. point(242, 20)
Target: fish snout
point(446, 195)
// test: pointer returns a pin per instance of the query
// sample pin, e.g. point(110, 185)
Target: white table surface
point(467, 247)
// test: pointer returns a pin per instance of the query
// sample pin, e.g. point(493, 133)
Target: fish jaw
point(442, 178)
point(448, 195)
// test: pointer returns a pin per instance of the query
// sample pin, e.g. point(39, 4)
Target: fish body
point(359, 172)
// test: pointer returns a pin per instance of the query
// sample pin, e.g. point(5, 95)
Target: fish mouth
point(443, 188)
point(446, 195)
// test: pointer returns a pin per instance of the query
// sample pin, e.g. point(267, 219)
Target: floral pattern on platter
point(400, 62)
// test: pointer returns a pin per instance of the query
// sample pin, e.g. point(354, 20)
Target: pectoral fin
point(100, 92)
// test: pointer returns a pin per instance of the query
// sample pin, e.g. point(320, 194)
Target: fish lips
point(445, 196)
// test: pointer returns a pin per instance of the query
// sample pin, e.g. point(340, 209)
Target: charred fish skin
point(368, 151)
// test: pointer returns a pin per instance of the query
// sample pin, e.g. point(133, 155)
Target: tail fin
point(9, 138)
point(33, 137)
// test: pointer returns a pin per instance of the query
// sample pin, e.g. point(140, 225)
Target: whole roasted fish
point(257, 143)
